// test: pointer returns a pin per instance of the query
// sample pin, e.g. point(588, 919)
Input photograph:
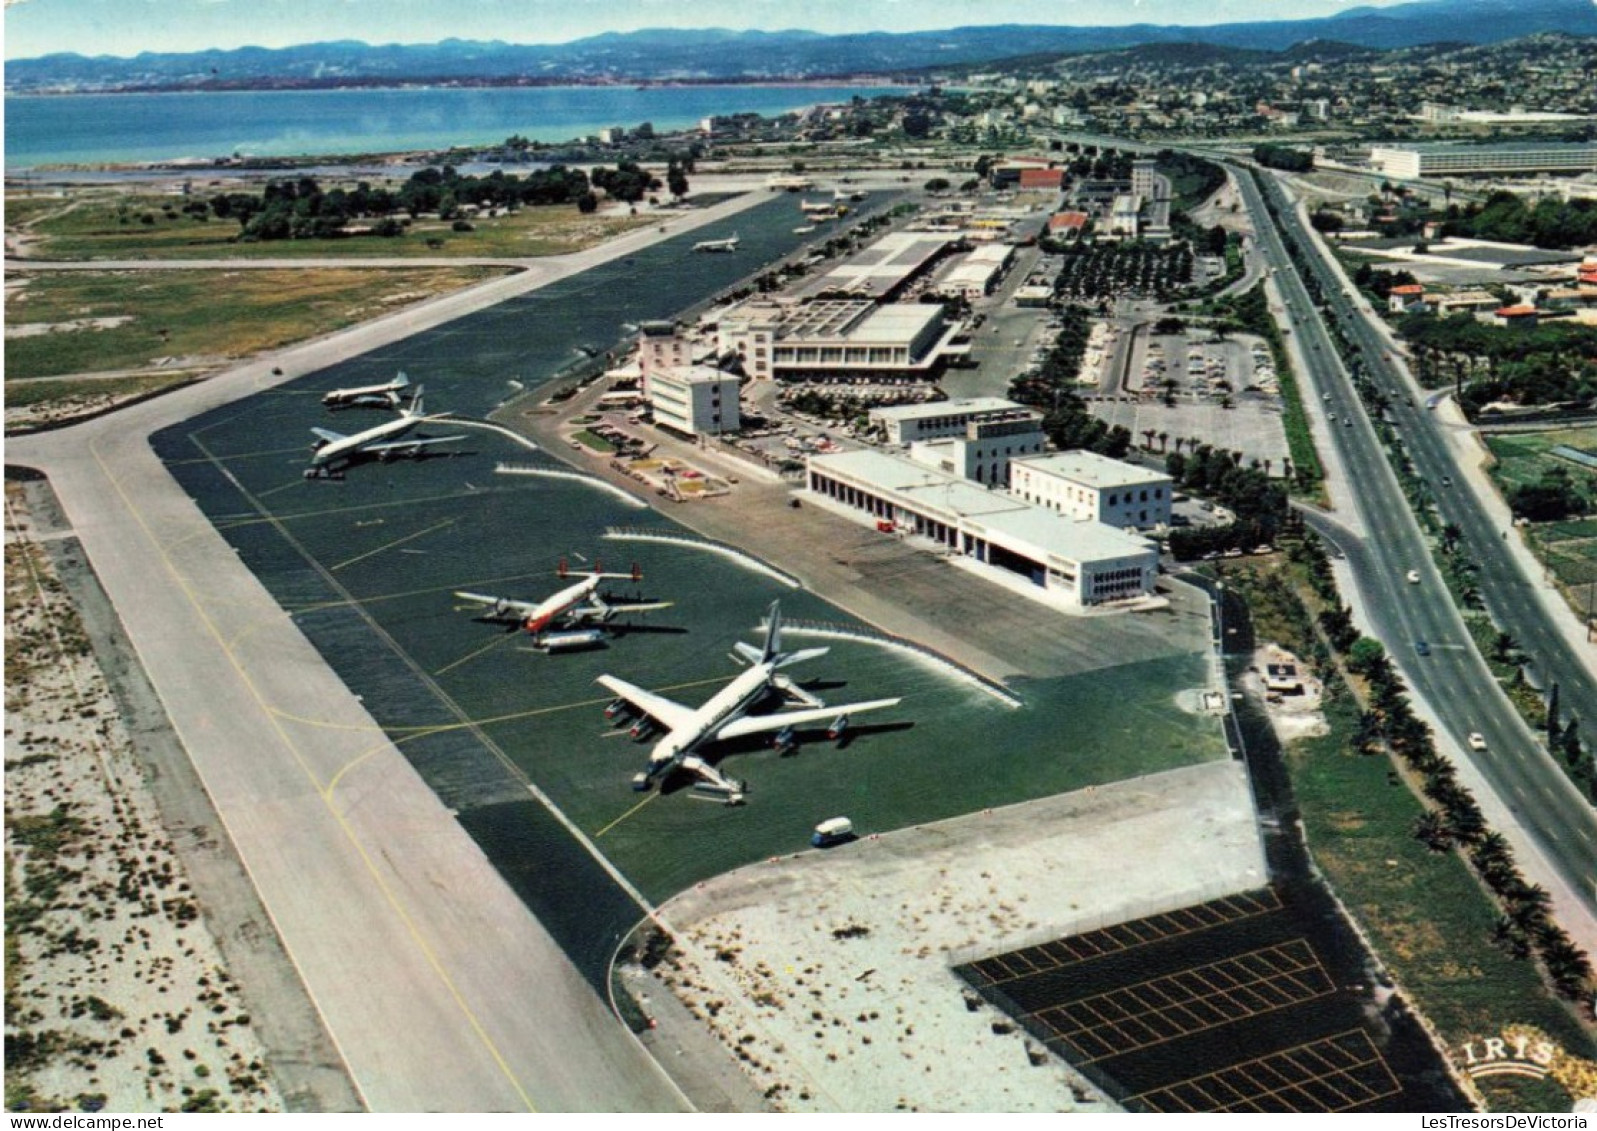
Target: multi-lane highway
point(1447, 671)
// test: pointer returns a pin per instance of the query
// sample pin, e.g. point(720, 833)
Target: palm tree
point(1164, 442)
point(1433, 831)
point(1504, 648)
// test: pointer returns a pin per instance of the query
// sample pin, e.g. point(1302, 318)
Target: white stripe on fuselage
point(730, 702)
point(353, 444)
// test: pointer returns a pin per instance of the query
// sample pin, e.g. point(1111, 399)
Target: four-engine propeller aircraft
point(387, 395)
point(578, 607)
point(726, 715)
point(385, 441)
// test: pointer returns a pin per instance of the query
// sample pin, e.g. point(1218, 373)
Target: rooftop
point(1092, 469)
point(883, 265)
point(970, 405)
point(1495, 147)
point(937, 492)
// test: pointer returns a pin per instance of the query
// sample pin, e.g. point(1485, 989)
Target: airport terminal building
point(1085, 485)
point(1076, 564)
point(837, 340)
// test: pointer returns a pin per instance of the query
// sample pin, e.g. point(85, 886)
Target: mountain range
point(718, 55)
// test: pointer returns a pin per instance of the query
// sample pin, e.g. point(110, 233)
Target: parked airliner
point(575, 606)
point(728, 244)
point(726, 715)
point(387, 395)
point(385, 441)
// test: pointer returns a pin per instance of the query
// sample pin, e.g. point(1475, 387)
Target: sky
point(127, 27)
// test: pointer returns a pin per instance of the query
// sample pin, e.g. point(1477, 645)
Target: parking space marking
point(1336, 1073)
point(1176, 1005)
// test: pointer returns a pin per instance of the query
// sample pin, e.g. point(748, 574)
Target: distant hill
point(719, 55)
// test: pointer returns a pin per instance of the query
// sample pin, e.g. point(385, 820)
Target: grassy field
point(106, 224)
point(1568, 549)
point(194, 319)
point(1428, 917)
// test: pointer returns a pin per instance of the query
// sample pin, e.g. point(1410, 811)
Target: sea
point(107, 129)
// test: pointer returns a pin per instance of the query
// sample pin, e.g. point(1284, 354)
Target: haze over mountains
point(720, 55)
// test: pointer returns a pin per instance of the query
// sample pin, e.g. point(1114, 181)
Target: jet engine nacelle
point(616, 709)
point(785, 739)
point(501, 607)
point(837, 727)
point(641, 729)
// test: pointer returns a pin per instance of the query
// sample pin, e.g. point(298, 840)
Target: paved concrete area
point(894, 585)
point(829, 974)
point(437, 986)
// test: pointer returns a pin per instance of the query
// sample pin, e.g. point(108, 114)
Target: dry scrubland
point(116, 996)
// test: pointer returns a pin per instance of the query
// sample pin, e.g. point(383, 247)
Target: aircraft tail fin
point(402, 381)
point(773, 633)
point(416, 406)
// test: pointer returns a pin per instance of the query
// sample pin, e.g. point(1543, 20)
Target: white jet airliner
point(385, 441)
point(726, 715)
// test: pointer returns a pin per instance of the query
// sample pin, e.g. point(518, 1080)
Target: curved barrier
point(575, 476)
point(928, 656)
point(675, 538)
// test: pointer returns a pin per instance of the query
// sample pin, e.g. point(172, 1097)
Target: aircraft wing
point(668, 714)
point(400, 447)
point(495, 604)
point(642, 607)
point(756, 724)
point(327, 435)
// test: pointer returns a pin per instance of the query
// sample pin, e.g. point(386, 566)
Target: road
point(1549, 820)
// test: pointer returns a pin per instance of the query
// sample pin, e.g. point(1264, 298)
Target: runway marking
point(652, 795)
point(318, 606)
point(475, 652)
point(388, 894)
point(390, 545)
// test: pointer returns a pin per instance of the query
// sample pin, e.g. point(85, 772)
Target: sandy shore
point(115, 987)
point(828, 975)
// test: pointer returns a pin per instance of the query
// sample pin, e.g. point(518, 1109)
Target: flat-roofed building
point(660, 347)
point(999, 536)
point(837, 340)
point(1125, 215)
point(1085, 485)
point(984, 450)
point(912, 423)
point(881, 271)
point(977, 272)
point(695, 399)
point(1436, 159)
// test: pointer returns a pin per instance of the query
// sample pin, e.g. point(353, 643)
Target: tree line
point(301, 208)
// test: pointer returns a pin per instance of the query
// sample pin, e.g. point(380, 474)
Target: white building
point(660, 347)
point(1027, 547)
point(1124, 215)
point(882, 270)
point(1084, 485)
point(984, 451)
point(910, 423)
point(695, 399)
point(976, 273)
point(1422, 159)
point(836, 340)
